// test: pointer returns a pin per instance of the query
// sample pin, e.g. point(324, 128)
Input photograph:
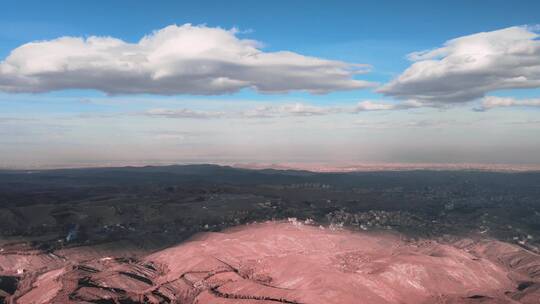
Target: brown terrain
point(186, 234)
point(277, 262)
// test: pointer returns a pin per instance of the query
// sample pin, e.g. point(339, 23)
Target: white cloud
point(295, 109)
point(182, 113)
point(373, 106)
point(183, 59)
point(384, 106)
point(14, 119)
point(529, 122)
point(265, 111)
point(490, 102)
point(282, 110)
point(392, 124)
point(301, 109)
point(468, 67)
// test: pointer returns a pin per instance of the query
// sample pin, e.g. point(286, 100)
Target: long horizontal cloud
point(266, 111)
point(300, 109)
point(295, 109)
point(384, 106)
point(284, 110)
point(491, 102)
point(468, 67)
point(390, 124)
point(183, 59)
point(182, 113)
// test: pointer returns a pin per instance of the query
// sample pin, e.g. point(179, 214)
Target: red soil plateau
point(282, 262)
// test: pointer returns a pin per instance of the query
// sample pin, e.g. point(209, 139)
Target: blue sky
point(64, 125)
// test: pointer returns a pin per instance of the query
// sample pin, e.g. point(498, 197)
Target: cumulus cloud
point(490, 102)
point(183, 59)
point(468, 67)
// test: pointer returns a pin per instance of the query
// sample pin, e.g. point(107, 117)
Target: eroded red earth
point(279, 263)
